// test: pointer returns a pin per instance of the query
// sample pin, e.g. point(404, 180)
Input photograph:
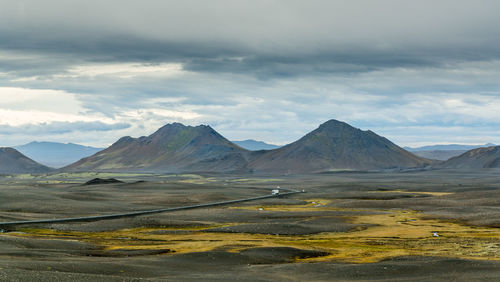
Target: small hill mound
point(12, 161)
point(97, 181)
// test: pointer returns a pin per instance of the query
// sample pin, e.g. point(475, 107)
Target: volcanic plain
point(412, 226)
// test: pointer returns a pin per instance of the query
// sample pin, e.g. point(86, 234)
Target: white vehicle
point(275, 192)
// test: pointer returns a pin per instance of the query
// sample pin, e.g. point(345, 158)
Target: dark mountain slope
point(336, 145)
point(12, 161)
point(488, 157)
point(173, 148)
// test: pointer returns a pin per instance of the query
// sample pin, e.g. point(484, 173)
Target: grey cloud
point(61, 128)
point(307, 60)
point(272, 38)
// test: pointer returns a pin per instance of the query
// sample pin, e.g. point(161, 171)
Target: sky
point(89, 72)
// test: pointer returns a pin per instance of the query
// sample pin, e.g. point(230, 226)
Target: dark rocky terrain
point(12, 161)
point(368, 226)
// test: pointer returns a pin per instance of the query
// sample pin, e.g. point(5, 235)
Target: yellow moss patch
point(406, 233)
point(414, 192)
point(312, 205)
point(201, 180)
point(257, 180)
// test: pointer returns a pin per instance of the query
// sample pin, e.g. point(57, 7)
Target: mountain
point(441, 155)
point(55, 154)
point(447, 147)
point(488, 157)
point(336, 145)
point(254, 145)
point(12, 161)
point(172, 148)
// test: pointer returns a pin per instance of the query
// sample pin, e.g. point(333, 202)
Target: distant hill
point(172, 148)
point(336, 145)
point(254, 145)
point(55, 154)
point(488, 157)
point(443, 152)
point(177, 148)
point(441, 155)
point(447, 147)
point(12, 161)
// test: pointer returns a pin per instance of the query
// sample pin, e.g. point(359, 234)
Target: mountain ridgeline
point(177, 148)
point(12, 161)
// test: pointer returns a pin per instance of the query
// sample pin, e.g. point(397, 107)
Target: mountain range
point(178, 148)
point(54, 154)
point(175, 148)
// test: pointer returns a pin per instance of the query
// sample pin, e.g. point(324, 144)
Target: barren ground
point(433, 225)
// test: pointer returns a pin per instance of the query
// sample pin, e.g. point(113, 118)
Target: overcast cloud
point(89, 72)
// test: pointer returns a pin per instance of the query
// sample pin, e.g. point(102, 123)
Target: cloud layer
point(418, 72)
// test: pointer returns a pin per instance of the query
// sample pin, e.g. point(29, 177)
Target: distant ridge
point(488, 157)
point(254, 145)
point(56, 154)
point(178, 148)
point(447, 147)
point(444, 152)
point(441, 155)
point(12, 161)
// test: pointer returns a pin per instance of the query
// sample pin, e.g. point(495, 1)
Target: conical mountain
point(172, 148)
point(12, 161)
point(336, 145)
point(488, 157)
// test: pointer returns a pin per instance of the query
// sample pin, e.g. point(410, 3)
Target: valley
point(347, 226)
